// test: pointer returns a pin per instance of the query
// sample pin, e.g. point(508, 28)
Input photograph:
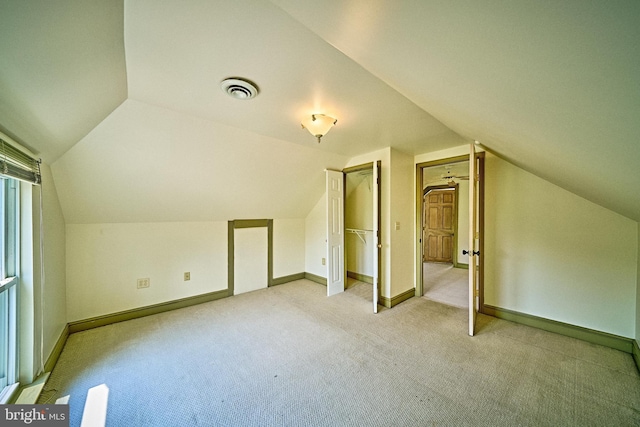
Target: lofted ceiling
point(551, 86)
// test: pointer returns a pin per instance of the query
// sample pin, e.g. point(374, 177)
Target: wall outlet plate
point(187, 276)
point(144, 283)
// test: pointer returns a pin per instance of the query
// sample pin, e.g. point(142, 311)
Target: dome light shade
point(318, 125)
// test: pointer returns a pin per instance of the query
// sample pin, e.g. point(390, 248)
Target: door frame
point(377, 247)
point(455, 187)
point(419, 219)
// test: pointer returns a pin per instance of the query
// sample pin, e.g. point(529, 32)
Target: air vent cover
point(239, 88)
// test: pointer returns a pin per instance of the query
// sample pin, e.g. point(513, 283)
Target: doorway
point(361, 227)
point(443, 231)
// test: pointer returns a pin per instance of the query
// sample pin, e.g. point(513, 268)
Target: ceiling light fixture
point(239, 88)
point(318, 125)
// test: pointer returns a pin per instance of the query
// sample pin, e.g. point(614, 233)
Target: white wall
point(288, 247)
point(315, 235)
point(402, 213)
point(552, 254)
point(384, 156)
point(638, 288)
point(397, 183)
point(104, 262)
point(145, 163)
point(55, 291)
point(359, 215)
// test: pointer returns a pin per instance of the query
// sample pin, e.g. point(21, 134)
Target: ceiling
point(551, 86)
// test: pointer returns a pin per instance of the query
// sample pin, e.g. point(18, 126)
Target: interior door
point(377, 246)
point(439, 217)
point(473, 252)
point(335, 232)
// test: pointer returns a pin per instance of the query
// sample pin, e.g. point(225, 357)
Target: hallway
point(445, 284)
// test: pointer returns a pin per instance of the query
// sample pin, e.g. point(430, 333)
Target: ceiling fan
point(450, 176)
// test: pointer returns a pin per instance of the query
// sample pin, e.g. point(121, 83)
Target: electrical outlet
point(144, 283)
point(324, 261)
point(187, 276)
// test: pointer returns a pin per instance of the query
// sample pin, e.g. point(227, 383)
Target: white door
point(473, 253)
point(335, 232)
point(377, 247)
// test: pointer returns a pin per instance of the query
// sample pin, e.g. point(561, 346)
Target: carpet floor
point(290, 356)
point(445, 284)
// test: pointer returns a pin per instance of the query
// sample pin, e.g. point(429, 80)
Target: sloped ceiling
point(551, 86)
point(62, 70)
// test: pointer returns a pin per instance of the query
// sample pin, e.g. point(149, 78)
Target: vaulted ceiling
point(123, 98)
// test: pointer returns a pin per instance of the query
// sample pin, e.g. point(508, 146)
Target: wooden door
point(439, 217)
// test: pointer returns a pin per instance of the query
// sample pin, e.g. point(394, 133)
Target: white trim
point(8, 392)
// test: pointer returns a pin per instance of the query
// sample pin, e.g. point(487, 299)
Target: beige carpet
point(289, 355)
point(445, 284)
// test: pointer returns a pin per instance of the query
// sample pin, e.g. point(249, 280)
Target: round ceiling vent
point(239, 88)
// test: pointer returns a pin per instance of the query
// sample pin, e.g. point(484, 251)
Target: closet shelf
point(359, 232)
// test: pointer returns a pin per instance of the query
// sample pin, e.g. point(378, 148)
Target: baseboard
point(30, 393)
point(391, 302)
point(636, 354)
point(585, 334)
point(314, 278)
point(360, 277)
point(95, 322)
point(57, 350)
point(461, 265)
point(286, 279)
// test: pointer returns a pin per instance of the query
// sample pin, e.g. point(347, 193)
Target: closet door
point(335, 232)
point(377, 246)
point(473, 252)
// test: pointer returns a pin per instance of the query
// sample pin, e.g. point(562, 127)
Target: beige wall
point(288, 247)
point(384, 156)
point(638, 289)
point(104, 262)
point(359, 215)
point(552, 254)
point(315, 235)
point(55, 290)
point(402, 214)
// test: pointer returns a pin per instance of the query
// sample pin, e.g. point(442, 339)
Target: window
point(9, 193)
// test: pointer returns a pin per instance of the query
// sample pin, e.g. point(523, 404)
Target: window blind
point(16, 164)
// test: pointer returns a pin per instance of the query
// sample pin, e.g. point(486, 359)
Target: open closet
point(361, 219)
